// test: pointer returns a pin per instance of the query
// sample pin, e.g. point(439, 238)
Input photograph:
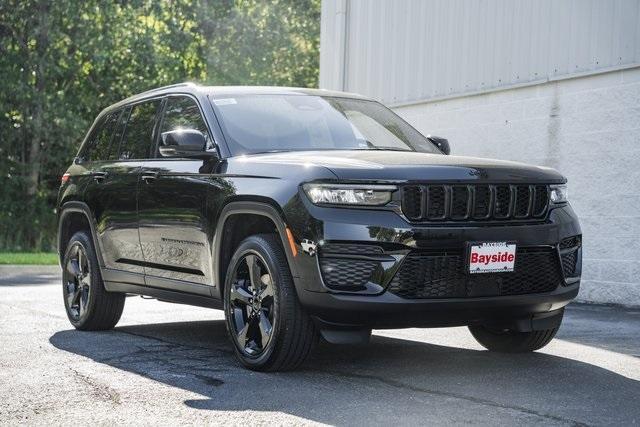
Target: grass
point(29, 258)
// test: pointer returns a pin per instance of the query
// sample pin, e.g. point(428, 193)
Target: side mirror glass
point(441, 143)
point(189, 143)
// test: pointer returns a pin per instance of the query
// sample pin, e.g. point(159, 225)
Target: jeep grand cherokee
point(306, 213)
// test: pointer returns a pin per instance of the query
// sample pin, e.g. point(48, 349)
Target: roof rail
point(166, 87)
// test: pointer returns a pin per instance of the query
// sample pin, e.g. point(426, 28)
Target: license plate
point(492, 257)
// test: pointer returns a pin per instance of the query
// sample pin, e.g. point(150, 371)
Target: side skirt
point(164, 295)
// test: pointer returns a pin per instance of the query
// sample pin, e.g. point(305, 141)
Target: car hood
point(410, 166)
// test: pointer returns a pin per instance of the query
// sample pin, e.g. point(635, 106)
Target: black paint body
point(160, 225)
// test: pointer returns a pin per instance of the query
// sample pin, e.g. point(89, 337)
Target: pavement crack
point(101, 391)
point(120, 357)
point(480, 401)
point(160, 355)
point(216, 382)
point(174, 344)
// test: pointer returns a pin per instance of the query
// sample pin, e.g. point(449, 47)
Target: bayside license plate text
point(492, 257)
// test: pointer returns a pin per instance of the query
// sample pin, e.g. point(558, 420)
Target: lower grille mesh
point(569, 261)
point(569, 254)
point(443, 275)
point(346, 273)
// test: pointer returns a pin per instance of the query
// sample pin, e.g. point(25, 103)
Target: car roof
point(226, 91)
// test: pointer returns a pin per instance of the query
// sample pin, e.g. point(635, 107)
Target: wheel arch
point(222, 252)
point(75, 216)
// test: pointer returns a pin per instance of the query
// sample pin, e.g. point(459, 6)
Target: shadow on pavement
point(387, 379)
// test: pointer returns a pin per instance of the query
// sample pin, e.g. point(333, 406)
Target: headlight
point(346, 194)
point(559, 194)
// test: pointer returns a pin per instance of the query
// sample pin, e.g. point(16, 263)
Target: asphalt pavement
point(167, 364)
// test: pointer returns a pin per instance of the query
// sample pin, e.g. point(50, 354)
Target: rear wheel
point(508, 341)
point(89, 306)
point(269, 329)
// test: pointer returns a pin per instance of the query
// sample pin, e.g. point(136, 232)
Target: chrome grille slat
point(474, 202)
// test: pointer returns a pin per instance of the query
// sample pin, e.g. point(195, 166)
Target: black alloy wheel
point(252, 304)
point(77, 281)
point(88, 304)
point(268, 327)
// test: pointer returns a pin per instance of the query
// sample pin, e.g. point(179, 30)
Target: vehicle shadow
point(388, 378)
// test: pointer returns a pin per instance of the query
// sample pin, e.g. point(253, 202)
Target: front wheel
point(269, 328)
point(508, 341)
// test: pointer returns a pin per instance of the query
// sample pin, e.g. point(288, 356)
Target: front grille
point(476, 202)
point(443, 275)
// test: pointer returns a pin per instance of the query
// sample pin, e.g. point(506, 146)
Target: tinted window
point(138, 134)
point(262, 123)
point(99, 143)
point(118, 132)
point(183, 113)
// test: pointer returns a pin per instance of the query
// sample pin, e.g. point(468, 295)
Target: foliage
point(63, 61)
point(28, 258)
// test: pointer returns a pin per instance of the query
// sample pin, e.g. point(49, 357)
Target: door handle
point(148, 177)
point(100, 176)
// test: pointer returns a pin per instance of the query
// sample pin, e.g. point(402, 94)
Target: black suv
point(306, 213)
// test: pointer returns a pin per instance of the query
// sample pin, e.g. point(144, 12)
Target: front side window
point(138, 134)
point(183, 113)
point(268, 123)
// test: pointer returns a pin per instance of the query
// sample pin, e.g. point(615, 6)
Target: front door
point(172, 209)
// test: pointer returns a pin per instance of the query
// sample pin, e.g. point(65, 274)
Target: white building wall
point(401, 51)
point(589, 129)
point(548, 82)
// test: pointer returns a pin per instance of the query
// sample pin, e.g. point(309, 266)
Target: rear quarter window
point(99, 142)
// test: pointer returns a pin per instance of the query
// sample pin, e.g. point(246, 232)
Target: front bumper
point(374, 306)
point(390, 311)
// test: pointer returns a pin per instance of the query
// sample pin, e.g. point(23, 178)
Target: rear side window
point(138, 134)
point(99, 142)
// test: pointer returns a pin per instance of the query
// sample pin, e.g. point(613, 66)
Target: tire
point(292, 334)
point(508, 341)
point(88, 305)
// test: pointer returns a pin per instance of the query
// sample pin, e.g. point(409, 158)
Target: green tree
point(262, 43)
point(63, 61)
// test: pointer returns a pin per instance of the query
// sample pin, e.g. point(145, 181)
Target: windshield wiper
point(370, 148)
point(383, 148)
point(269, 151)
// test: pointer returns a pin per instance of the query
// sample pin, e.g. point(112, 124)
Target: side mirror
point(190, 143)
point(441, 143)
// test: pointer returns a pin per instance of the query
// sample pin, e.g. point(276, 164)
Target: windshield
point(271, 123)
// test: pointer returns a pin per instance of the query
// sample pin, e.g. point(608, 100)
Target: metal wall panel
point(404, 51)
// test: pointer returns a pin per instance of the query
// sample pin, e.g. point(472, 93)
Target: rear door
point(172, 208)
point(113, 193)
point(109, 198)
